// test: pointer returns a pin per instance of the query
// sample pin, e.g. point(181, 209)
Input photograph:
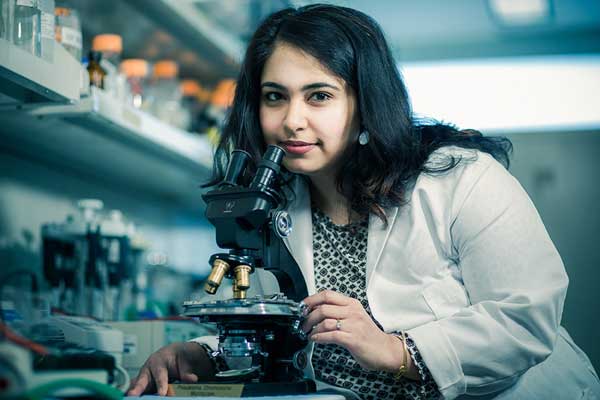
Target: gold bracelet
point(403, 368)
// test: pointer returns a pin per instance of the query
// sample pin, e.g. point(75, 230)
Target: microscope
point(259, 336)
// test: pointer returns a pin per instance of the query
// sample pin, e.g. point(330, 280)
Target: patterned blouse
point(340, 256)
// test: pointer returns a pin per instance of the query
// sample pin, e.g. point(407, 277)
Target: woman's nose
point(295, 118)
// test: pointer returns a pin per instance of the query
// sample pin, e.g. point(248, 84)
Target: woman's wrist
point(402, 362)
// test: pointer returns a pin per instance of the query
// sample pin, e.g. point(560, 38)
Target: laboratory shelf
point(113, 144)
point(25, 78)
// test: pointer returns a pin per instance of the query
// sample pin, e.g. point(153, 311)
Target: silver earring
point(363, 138)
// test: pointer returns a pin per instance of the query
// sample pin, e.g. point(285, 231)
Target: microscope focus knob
point(300, 360)
point(282, 223)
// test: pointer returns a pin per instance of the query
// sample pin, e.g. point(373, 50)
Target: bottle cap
point(62, 11)
point(108, 43)
point(223, 93)
point(135, 68)
point(190, 87)
point(166, 69)
point(204, 95)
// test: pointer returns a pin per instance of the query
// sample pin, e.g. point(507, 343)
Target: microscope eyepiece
point(268, 168)
point(237, 165)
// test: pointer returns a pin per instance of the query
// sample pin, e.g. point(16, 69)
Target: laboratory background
point(110, 111)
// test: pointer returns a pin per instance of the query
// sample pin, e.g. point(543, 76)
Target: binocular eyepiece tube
point(237, 165)
point(268, 168)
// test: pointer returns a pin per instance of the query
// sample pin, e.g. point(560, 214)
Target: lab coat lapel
point(300, 240)
point(377, 239)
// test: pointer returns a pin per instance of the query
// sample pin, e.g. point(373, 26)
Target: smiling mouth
point(297, 147)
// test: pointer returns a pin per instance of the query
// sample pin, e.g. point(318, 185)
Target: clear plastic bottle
point(190, 89)
point(164, 94)
point(203, 122)
point(7, 15)
point(47, 29)
point(221, 100)
point(27, 31)
point(136, 72)
point(67, 30)
point(111, 47)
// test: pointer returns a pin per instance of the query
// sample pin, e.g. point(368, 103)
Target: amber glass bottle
point(96, 72)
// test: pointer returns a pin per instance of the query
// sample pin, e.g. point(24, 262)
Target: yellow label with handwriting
point(205, 390)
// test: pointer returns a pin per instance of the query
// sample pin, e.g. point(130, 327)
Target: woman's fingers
point(161, 379)
point(188, 377)
point(333, 337)
point(141, 383)
point(326, 297)
point(327, 325)
point(322, 313)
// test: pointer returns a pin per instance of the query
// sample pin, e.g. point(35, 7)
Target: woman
point(431, 272)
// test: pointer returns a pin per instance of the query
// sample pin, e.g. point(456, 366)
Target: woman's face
point(307, 110)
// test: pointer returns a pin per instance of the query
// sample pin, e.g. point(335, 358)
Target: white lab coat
point(468, 270)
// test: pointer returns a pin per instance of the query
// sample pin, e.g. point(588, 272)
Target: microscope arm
point(278, 260)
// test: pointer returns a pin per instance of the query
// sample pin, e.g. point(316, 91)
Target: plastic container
point(47, 29)
point(222, 97)
point(27, 30)
point(136, 72)
point(203, 122)
point(220, 101)
point(111, 47)
point(96, 73)
point(192, 91)
point(67, 30)
point(7, 16)
point(189, 104)
point(164, 94)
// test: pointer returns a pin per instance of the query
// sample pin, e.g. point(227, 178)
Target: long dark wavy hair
point(352, 46)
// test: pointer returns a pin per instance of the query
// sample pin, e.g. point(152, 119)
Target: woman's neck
point(325, 195)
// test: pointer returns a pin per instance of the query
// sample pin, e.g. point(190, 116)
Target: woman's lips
point(293, 147)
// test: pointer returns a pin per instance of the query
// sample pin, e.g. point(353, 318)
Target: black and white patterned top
point(340, 257)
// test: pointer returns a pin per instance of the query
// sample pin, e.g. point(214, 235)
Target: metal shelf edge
point(55, 82)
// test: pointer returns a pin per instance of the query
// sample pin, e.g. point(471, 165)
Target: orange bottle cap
point(62, 12)
point(223, 93)
point(166, 69)
point(134, 68)
point(108, 43)
point(190, 87)
point(204, 95)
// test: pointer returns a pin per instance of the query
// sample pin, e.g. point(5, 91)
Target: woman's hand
point(335, 318)
point(186, 362)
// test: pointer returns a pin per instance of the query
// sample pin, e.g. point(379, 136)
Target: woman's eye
point(272, 96)
point(320, 96)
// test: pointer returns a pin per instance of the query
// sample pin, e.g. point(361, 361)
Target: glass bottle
point(67, 29)
point(7, 15)
point(191, 106)
point(27, 26)
point(111, 47)
point(164, 95)
point(47, 29)
point(136, 71)
point(96, 72)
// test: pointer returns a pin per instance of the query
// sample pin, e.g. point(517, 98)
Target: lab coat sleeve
point(516, 284)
